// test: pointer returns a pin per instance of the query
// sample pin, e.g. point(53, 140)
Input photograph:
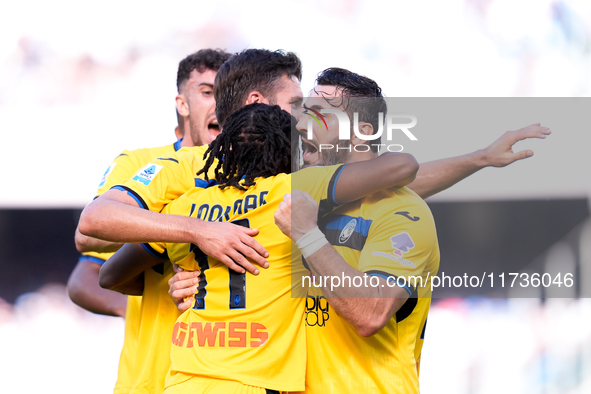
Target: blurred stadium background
point(79, 82)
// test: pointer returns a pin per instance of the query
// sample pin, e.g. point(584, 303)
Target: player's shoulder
point(397, 200)
point(184, 155)
point(144, 155)
point(316, 171)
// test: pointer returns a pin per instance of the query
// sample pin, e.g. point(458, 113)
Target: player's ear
point(256, 97)
point(181, 105)
point(365, 129)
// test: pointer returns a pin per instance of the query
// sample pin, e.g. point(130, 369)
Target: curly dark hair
point(255, 143)
point(357, 94)
point(205, 59)
point(249, 70)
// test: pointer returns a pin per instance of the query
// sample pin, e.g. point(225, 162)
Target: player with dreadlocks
point(218, 343)
point(251, 147)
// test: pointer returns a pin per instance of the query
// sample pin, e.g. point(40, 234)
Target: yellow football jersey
point(122, 168)
point(390, 234)
point(167, 178)
point(158, 315)
point(126, 372)
point(242, 327)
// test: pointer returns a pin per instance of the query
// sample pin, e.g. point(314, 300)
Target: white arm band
point(310, 242)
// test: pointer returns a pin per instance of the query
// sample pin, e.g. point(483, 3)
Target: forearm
point(123, 272)
point(84, 291)
point(367, 308)
point(436, 176)
point(363, 178)
point(88, 244)
point(115, 221)
point(133, 287)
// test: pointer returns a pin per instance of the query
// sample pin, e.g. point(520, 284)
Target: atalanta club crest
point(348, 231)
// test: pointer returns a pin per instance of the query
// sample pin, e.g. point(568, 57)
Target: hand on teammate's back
point(183, 287)
point(232, 245)
point(500, 152)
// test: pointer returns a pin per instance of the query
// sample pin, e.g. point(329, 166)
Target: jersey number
point(237, 281)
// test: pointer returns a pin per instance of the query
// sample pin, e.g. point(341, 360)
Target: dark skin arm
point(123, 272)
point(84, 291)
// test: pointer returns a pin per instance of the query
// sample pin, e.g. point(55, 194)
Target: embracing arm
point(115, 216)
point(86, 244)
point(84, 291)
point(367, 308)
point(436, 176)
point(123, 272)
point(363, 178)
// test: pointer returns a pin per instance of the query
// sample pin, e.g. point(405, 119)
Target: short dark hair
point(252, 69)
point(205, 59)
point(358, 94)
point(255, 143)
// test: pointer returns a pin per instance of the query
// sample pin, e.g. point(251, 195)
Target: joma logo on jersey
point(146, 174)
point(219, 334)
point(317, 311)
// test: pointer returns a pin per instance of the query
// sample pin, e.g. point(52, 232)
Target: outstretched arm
point(436, 176)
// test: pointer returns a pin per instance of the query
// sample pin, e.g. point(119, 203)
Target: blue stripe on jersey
point(332, 198)
point(168, 158)
point(92, 259)
point(134, 195)
point(392, 279)
point(177, 145)
point(338, 222)
point(203, 184)
point(153, 252)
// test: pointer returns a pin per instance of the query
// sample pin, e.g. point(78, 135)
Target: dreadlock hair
point(357, 94)
point(255, 142)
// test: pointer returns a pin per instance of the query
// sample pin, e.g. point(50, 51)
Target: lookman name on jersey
point(147, 174)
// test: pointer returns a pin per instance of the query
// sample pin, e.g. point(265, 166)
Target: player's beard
point(333, 157)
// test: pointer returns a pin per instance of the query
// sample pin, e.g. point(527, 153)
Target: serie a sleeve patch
point(147, 174)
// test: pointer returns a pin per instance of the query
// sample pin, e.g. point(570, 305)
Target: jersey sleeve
point(165, 179)
point(95, 257)
point(398, 248)
point(119, 170)
point(181, 206)
point(320, 183)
